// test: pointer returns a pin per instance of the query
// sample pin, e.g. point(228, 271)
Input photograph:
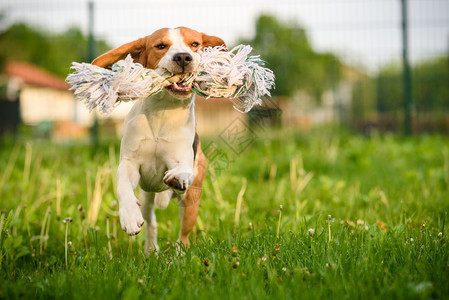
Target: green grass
point(378, 191)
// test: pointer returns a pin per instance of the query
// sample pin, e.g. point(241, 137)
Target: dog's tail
point(162, 199)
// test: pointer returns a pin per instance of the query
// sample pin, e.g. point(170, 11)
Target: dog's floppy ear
point(212, 41)
point(136, 49)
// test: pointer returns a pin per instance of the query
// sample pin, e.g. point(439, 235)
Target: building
point(44, 102)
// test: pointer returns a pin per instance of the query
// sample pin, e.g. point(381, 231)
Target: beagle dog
point(160, 150)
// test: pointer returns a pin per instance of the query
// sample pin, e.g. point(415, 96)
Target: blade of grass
point(239, 203)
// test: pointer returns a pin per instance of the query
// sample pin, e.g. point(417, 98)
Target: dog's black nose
point(182, 59)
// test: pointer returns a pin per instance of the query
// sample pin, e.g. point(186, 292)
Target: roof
point(34, 75)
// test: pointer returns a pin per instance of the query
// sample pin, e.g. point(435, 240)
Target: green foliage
point(363, 100)
point(53, 52)
point(389, 89)
point(430, 86)
point(11, 248)
point(287, 50)
point(378, 191)
point(5, 222)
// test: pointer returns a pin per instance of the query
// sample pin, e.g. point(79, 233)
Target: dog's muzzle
point(179, 89)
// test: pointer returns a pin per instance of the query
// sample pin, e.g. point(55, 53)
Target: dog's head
point(168, 49)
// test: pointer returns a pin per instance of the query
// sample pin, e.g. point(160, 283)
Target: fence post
point(94, 130)
point(406, 76)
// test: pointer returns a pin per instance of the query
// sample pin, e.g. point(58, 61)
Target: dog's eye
point(161, 46)
point(195, 44)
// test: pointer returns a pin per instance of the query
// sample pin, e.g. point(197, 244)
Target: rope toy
point(221, 74)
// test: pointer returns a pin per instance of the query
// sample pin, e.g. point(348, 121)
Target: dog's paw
point(131, 218)
point(179, 179)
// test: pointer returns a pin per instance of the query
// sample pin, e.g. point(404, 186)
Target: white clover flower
point(67, 220)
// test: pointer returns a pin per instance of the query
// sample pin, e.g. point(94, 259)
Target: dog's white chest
point(159, 133)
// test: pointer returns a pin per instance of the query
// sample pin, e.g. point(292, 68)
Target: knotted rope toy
point(221, 74)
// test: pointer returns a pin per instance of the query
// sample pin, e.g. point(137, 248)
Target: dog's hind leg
point(188, 212)
point(147, 208)
point(190, 201)
point(162, 199)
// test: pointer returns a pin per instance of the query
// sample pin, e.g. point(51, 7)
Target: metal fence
point(365, 34)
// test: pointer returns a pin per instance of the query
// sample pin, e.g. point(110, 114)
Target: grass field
point(362, 217)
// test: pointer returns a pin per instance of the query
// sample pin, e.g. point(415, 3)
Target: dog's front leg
point(179, 175)
point(127, 179)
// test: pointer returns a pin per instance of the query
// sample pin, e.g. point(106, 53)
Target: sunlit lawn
point(362, 217)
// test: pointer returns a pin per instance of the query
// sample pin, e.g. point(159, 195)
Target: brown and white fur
point(159, 141)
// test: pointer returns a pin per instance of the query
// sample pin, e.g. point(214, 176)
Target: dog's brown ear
point(212, 41)
point(136, 49)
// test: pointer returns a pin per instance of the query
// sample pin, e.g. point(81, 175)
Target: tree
point(53, 52)
point(430, 86)
point(288, 52)
point(430, 81)
point(389, 89)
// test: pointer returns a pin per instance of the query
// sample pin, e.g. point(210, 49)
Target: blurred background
point(367, 65)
